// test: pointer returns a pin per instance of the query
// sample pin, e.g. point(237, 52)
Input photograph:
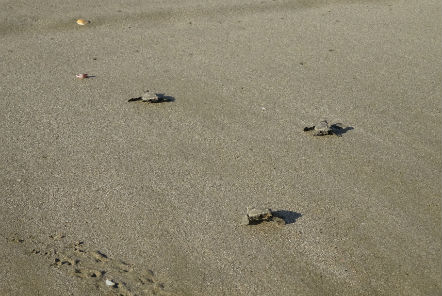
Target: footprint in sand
point(108, 275)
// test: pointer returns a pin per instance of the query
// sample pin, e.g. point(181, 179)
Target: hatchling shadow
point(165, 99)
point(288, 216)
point(339, 130)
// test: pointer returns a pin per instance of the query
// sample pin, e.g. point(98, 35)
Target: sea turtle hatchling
point(259, 215)
point(324, 129)
point(150, 97)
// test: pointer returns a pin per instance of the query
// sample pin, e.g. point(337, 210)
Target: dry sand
point(159, 189)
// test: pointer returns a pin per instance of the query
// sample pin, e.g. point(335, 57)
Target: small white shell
point(82, 22)
point(110, 283)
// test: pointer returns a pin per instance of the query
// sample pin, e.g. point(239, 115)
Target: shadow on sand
point(339, 130)
point(288, 216)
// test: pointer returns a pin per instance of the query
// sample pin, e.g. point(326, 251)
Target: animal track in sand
point(108, 275)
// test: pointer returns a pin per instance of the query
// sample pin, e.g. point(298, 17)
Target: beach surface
point(101, 196)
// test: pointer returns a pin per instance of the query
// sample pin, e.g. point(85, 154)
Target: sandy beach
point(101, 196)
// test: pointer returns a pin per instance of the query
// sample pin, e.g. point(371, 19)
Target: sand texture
point(149, 194)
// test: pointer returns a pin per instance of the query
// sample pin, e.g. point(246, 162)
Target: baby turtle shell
point(321, 129)
point(259, 215)
point(151, 97)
